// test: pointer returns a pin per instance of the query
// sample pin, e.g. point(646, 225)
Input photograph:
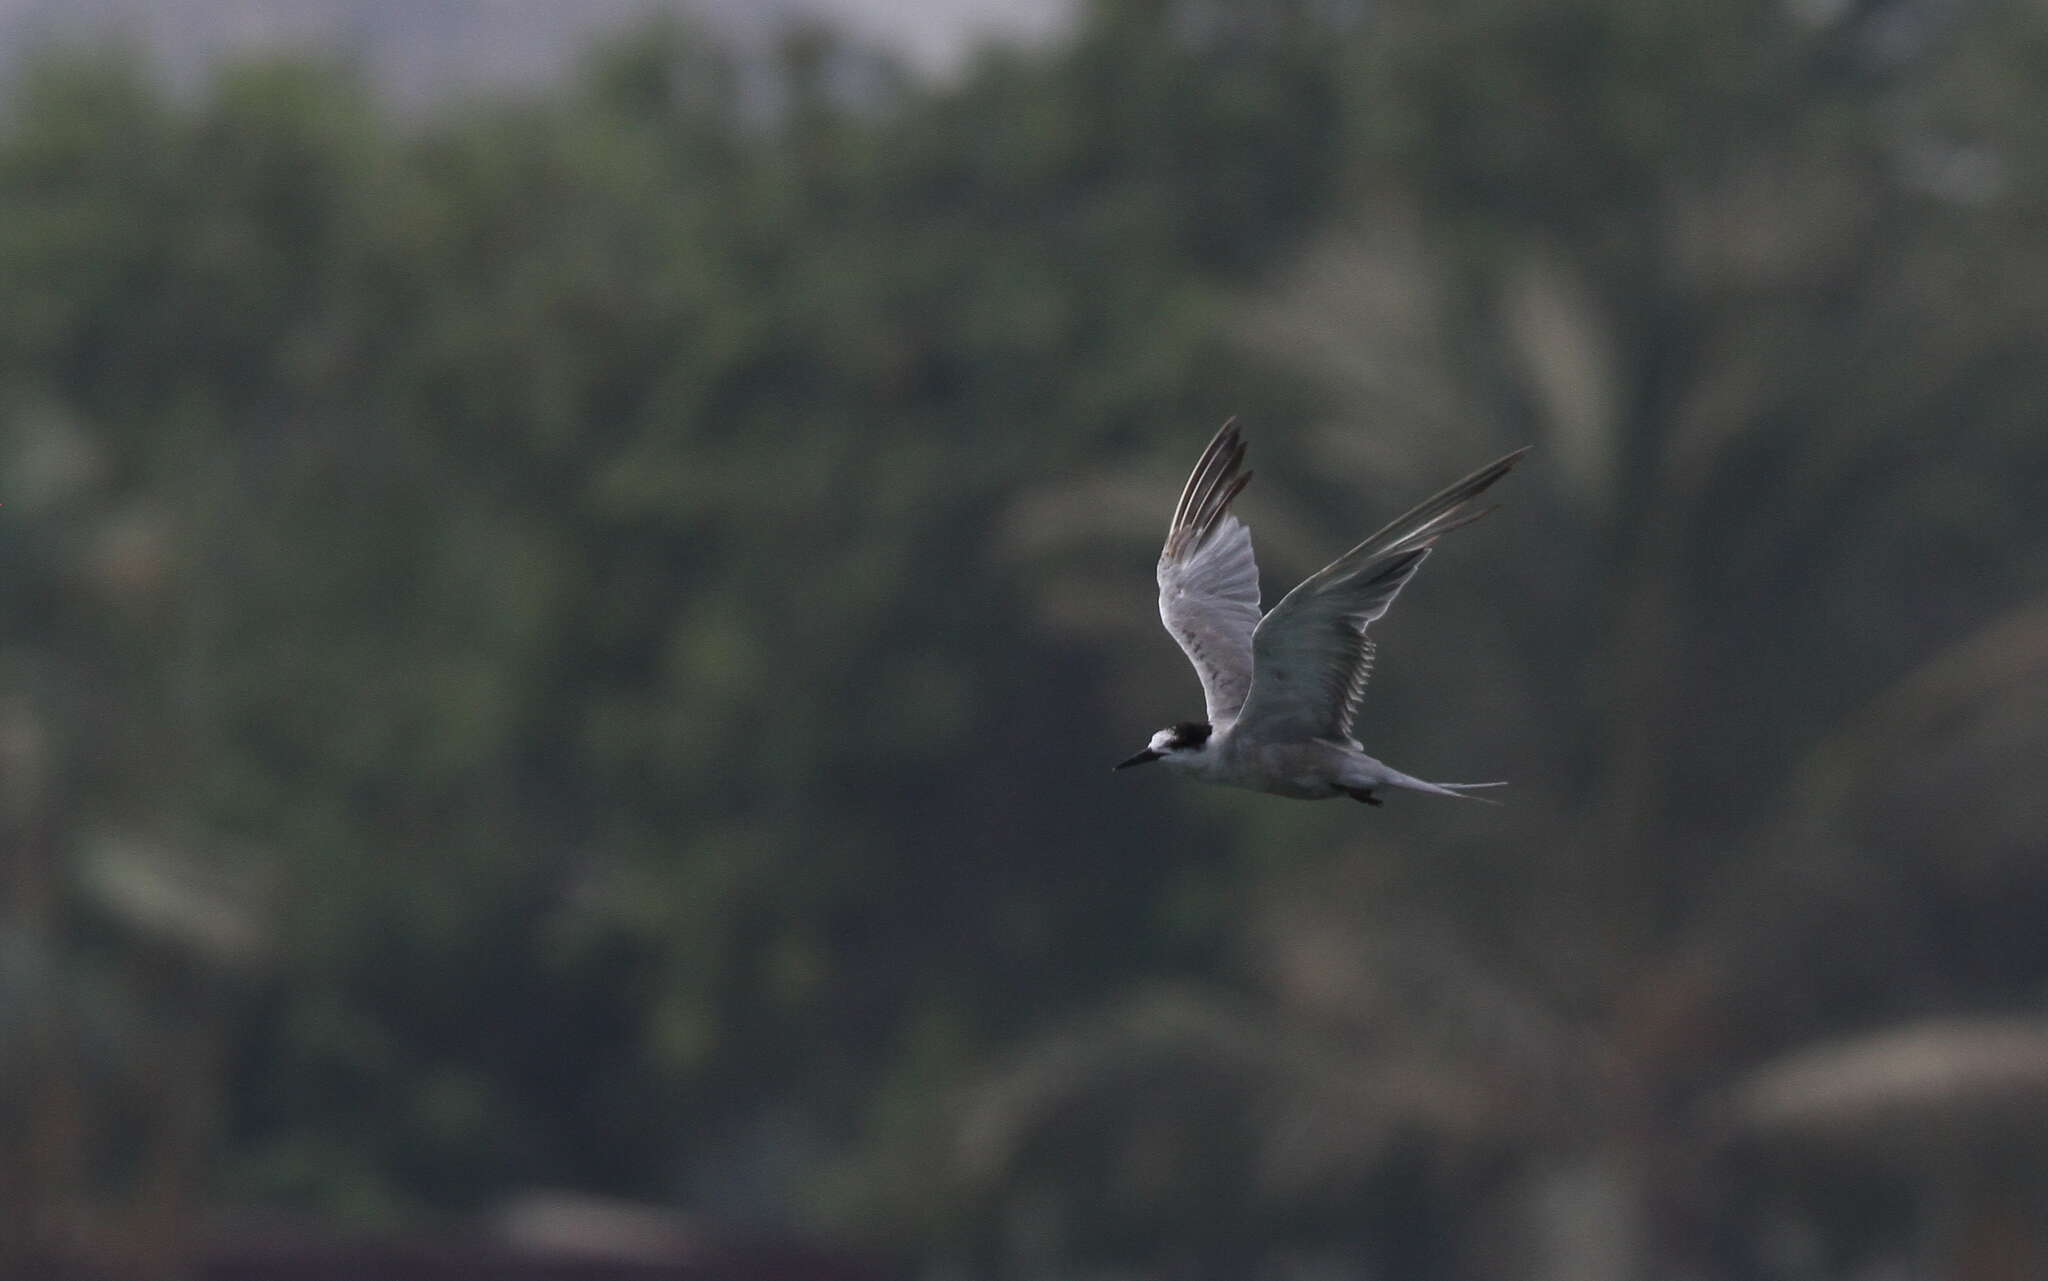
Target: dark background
point(566, 639)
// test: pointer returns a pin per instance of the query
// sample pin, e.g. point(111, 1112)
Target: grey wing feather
point(1208, 579)
point(1311, 656)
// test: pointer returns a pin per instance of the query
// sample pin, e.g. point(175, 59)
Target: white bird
point(1283, 690)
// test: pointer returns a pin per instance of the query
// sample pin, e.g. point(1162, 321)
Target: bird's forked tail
point(1395, 778)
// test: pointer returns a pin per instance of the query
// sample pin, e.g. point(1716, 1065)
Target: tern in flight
point(1283, 689)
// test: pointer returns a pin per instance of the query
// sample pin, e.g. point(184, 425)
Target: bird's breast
point(1306, 771)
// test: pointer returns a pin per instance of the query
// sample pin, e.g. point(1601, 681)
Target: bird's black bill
point(1147, 755)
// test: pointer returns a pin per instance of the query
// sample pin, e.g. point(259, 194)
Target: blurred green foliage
point(566, 561)
point(584, 631)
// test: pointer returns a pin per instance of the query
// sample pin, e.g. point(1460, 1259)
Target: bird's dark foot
point(1363, 794)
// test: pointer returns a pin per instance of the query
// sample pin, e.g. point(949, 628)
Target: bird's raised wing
point(1208, 581)
point(1311, 656)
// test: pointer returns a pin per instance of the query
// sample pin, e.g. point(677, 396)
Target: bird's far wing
point(1311, 656)
point(1208, 581)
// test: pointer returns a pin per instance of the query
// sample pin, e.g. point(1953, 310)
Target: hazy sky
point(419, 45)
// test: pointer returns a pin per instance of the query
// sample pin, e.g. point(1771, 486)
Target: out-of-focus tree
point(654, 573)
point(1763, 282)
point(577, 567)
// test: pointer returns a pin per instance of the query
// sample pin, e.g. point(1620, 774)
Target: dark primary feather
point(1215, 482)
